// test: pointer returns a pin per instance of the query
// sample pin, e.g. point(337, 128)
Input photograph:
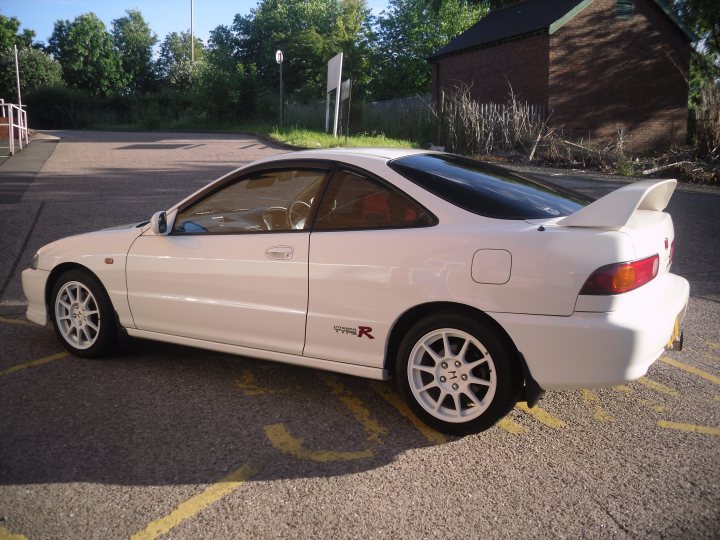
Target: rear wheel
point(82, 314)
point(456, 374)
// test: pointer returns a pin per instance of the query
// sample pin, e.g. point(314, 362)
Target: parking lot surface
point(173, 442)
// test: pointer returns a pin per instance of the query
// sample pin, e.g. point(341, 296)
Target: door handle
point(279, 252)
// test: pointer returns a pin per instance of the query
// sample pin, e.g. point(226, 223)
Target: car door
point(234, 268)
point(367, 239)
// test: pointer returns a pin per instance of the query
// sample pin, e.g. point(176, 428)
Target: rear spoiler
point(615, 209)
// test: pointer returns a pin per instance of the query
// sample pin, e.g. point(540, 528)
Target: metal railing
point(13, 123)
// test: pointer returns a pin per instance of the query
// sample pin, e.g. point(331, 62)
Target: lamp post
point(279, 60)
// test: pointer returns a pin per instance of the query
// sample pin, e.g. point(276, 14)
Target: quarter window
point(265, 201)
point(354, 201)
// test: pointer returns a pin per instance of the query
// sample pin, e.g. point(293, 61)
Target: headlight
point(34, 263)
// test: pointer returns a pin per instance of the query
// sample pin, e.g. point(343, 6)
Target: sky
point(163, 16)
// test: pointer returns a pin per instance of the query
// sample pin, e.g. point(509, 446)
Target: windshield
point(487, 190)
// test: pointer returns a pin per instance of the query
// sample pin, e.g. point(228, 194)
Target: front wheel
point(456, 374)
point(82, 314)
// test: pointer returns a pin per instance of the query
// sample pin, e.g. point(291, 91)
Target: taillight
point(621, 277)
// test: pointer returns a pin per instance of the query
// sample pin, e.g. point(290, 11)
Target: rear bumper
point(33, 282)
point(589, 350)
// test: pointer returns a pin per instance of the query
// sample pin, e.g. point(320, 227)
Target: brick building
point(600, 66)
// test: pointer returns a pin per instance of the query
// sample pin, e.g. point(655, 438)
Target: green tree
point(175, 49)
point(10, 34)
point(703, 18)
point(309, 33)
point(410, 31)
point(37, 70)
point(87, 55)
point(229, 89)
point(134, 40)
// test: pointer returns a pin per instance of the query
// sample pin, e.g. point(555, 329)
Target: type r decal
point(360, 331)
point(365, 331)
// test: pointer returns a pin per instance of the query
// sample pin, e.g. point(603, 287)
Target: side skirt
point(295, 360)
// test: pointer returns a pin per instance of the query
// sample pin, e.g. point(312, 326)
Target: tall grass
point(470, 127)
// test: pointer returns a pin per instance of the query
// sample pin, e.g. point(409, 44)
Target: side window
point(260, 202)
point(354, 201)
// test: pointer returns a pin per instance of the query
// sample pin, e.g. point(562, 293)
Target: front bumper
point(33, 282)
point(593, 350)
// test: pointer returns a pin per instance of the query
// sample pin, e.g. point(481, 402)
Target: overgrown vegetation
point(516, 131)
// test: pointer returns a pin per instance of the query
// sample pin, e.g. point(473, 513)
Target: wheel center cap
point(452, 374)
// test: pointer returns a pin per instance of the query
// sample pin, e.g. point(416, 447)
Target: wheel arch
point(411, 316)
point(532, 392)
point(55, 274)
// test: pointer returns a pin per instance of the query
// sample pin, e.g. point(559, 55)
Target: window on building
point(624, 9)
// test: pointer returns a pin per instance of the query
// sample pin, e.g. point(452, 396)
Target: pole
point(282, 101)
point(192, 31)
point(281, 108)
point(21, 123)
point(17, 77)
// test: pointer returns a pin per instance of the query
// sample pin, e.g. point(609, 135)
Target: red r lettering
point(365, 331)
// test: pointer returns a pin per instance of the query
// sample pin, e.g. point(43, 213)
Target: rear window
point(487, 190)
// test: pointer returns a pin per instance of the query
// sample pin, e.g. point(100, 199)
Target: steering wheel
point(298, 213)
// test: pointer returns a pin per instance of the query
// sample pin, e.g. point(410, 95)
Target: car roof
point(384, 154)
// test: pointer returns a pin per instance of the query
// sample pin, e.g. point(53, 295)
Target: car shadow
point(164, 415)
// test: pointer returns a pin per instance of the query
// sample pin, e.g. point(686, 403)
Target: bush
point(59, 107)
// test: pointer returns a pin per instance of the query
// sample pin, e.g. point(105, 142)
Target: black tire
point(82, 314)
point(444, 391)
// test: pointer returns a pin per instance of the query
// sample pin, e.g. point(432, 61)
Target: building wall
point(598, 75)
point(609, 74)
point(490, 72)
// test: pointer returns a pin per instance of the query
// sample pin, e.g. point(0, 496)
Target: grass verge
point(316, 139)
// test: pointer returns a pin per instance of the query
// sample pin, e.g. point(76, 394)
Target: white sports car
point(472, 285)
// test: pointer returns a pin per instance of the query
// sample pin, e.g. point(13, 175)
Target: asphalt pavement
point(176, 442)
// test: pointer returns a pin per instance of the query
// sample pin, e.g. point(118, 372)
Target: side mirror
point(158, 223)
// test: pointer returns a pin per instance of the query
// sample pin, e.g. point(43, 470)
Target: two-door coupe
point(472, 285)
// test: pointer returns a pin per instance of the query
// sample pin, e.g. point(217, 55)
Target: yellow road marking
point(373, 429)
point(287, 444)
point(652, 405)
point(511, 426)
point(592, 399)
point(691, 428)
point(397, 402)
point(658, 387)
point(542, 416)
point(7, 535)
point(33, 363)
point(18, 322)
point(247, 383)
point(717, 398)
point(623, 388)
point(713, 345)
point(196, 504)
point(691, 369)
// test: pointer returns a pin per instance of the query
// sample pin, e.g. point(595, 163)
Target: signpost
point(279, 60)
point(333, 83)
